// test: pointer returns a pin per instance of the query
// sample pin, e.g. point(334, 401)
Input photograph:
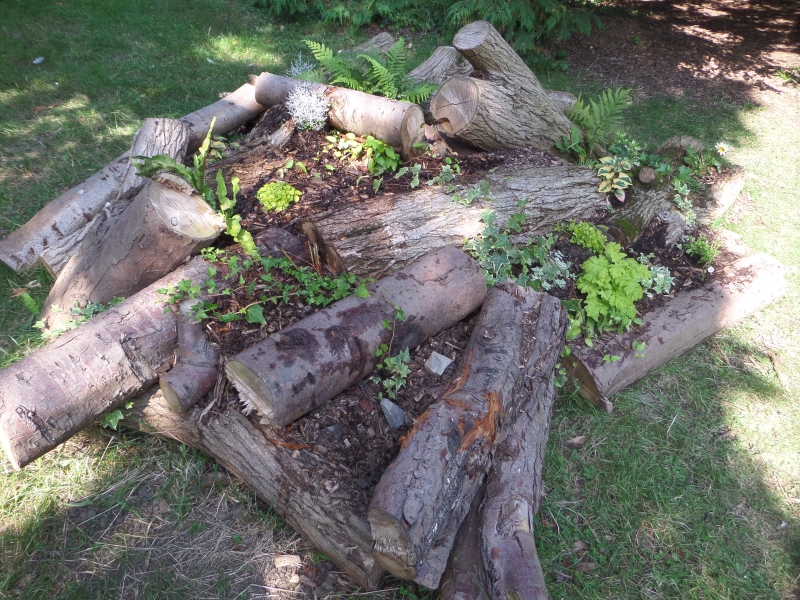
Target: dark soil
point(351, 431)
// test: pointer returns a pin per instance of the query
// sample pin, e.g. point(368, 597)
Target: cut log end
point(253, 393)
point(456, 104)
point(473, 35)
point(393, 549)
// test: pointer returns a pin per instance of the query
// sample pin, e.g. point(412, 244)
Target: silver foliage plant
point(300, 66)
point(308, 107)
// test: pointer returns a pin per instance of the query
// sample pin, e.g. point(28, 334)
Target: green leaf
point(255, 314)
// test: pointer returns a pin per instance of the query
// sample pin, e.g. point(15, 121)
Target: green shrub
point(699, 248)
point(526, 24)
point(588, 236)
point(277, 196)
point(611, 283)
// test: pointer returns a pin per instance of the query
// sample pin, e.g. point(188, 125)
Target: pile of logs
point(455, 507)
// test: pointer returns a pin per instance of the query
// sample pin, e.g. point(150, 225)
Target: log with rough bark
point(508, 108)
point(740, 289)
point(424, 495)
point(272, 469)
point(514, 491)
point(379, 43)
point(465, 576)
point(197, 364)
point(306, 364)
point(56, 391)
point(71, 216)
point(60, 226)
point(390, 231)
point(445, 62)
point(157, 231)
point(397, 123)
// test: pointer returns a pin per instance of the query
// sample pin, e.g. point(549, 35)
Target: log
point(379, 43)
point(159, 230)
point(507, 109)
point(445, 62)
point(197, 363)
point(396, 123)
point(231, 112)
point(306, 364)
point(465, 576)
point(424, 495)
point(60, 389)
point(514, 491)
point(68, 214)
point(740, 289)
point(155, 136)
point(390, 231)
point(281, 476)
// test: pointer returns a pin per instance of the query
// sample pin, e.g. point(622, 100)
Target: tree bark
point(445, 62)
point(195, 372)
point(232, 111)
point(507, 109)
point(155, 136)
point(283, 477)
point(155, 233)
point(377, 237)
point(379, 43)
point(424, 495)
point(465, 576)
point(60, 389)
point(61, 223)
point(514, 491)
point(738, 290)
point(390, 121)
point(306, 364)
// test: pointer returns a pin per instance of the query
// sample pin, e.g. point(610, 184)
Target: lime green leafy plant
point(587, 236)
point(699, 248)
point(276, 196)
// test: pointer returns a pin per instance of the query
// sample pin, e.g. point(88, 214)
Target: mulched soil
point(351, 431)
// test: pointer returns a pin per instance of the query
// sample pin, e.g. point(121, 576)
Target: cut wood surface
point(155, 136)
point(740, 289)
point(378, 236)
point(232, 111)
point(62, 221)
point(356, 112)
point(272, 470)
point(60, 389)
point(157, 231)
point(508, 108)
point(304, 365)
point(424, 495)
point(195, 371)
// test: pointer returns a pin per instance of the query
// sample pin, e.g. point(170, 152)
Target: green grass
point(667, 503)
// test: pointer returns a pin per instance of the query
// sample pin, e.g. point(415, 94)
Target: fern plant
point(598, 119)
point(372, 74)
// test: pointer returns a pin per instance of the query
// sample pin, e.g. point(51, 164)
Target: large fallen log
point(157, 231)
point(306, 364)
point(271, 468)
point(399, 124)
point(58, 390)
point(390, 231)
point(424, 495)
point(738, 290)
point(507, 108)
point(59, 226)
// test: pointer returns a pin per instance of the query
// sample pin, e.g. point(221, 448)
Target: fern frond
point(417, 92)
point(397, 59)
point(321, 52)
point(381, 78)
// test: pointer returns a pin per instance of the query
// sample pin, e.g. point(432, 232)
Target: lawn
point(689, 489)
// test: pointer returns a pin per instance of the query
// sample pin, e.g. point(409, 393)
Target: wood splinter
point(195, 373)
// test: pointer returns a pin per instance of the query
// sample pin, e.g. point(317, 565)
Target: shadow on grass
point(132, 516)
point(666, 495)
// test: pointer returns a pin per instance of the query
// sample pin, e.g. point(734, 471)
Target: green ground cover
point(688, 490)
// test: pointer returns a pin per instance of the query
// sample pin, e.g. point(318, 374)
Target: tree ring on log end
point(472, 35)
point(456, 104)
